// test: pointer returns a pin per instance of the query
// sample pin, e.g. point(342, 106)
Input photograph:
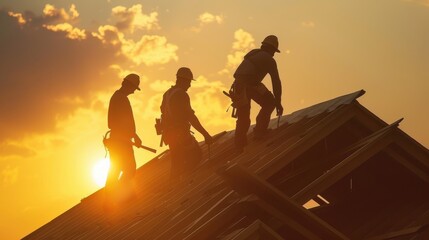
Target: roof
point(357, 176)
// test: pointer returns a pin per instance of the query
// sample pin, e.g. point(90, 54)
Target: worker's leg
point(177, 162)
point(112, 179)
point(128, 165)
point(114, 169)
point(125, 189)
point(243, 117)
point(265, 99)
point(193, 156)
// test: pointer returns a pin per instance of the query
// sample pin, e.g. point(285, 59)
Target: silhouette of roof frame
point(369, 178)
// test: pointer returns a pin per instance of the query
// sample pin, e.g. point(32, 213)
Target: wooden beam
point(406, 231)
point(257, 228)
point(211, 211)
point(209, 229)
point(368, 119)
point(313, 135)
point(259, 205)
point(407, 164)
point(346, 166)
point(246, 182)
point(359, 144)
point(412, 147)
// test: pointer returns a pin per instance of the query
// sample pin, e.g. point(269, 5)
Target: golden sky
point(60, 61)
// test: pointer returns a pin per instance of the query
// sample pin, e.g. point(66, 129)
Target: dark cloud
point(41, 70)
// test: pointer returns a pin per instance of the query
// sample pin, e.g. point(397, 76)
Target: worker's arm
point(183, 103)
point(277, 87)
point(193, 120)
point(137, 140)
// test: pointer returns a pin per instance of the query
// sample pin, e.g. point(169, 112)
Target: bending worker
point(248, 86)
point(177, 119)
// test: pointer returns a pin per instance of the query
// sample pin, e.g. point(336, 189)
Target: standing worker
point(248, 86)
point(122, 132)
point(177, 117)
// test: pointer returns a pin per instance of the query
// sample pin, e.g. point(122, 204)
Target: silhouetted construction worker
point(122, 134)
point(177, 119)
point(248, 86)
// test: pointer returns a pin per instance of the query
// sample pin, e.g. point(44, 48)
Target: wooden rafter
point(399, 233)
point(315, 134)
point(246, 182)
point(373, 146)
point(257, 228)
point(423, 175)
point(257, 206)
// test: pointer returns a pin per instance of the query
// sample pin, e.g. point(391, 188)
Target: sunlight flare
point(99, 171)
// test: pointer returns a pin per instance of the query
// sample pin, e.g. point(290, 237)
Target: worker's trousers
point(121, 160)
point(185, 155)
point(264, 98)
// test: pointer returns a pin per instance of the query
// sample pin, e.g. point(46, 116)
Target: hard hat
point(134, 79)
point(272, 41)
point(185, 73)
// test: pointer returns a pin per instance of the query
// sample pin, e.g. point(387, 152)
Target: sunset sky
point(60, 62)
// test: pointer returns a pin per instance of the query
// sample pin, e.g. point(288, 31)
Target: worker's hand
point(208, 139)
point(279, 109)
point(137, 141)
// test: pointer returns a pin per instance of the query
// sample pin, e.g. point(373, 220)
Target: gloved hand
point(279, 109)
point(208, 139)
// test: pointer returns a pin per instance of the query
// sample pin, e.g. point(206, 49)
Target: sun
point(99, 171)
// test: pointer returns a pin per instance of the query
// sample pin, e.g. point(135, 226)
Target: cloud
point(243, 43)
point(149, 50)
point(9, 175)
point(40, 68)
point(13, 148)
point(308, 24)
point(109, 34)
point(19, 17)
point(54, 19)
point(49, 67)
point(50, 11)
point(207, 18)
point(72, 32)
point(121, 72)
point(133, 18)
point(209, 103)
point(152, 107)
point(161, 85)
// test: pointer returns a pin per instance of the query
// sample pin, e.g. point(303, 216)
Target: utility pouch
point(158, 126)
point(107, 142)
point(238, 95)
point(231, 94)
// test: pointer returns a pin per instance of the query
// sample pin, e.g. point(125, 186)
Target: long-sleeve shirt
point(120, 116)
point(255, 66)
point(176, 108)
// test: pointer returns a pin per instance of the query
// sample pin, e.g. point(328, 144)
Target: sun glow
point(99, 171)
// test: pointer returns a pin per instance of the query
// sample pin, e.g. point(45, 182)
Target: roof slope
point(364, 178)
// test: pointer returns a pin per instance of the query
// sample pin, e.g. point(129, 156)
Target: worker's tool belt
point(238, 92)
point(107, 140)
point(110, 141)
